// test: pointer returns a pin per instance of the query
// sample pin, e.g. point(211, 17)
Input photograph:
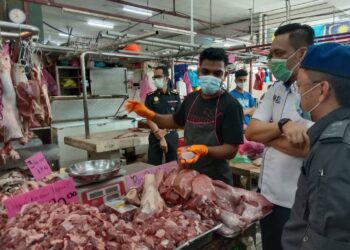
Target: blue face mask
point(305, 115)
point(210, 85)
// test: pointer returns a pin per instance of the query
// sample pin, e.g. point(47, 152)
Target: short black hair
point(213, 54)
point(241, 72)
point(300, 35)
point(164, 68)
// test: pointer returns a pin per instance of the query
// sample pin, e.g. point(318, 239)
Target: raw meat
point(202, 185)
point(204, 206)
point(74, 226)
point(183, 182)
point(25, 92)
point(232, 221)
point(214, 199)
point(228, 198)
point(39, 112)
point(151, 201)
point(168, 183)
point(10, 124)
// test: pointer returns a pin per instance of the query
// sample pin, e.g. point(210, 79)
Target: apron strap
point(195, 100)
point(216, 112)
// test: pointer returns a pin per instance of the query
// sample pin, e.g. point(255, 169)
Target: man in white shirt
point(280, 126)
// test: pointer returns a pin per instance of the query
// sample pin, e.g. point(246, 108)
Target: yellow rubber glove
point(197, 150)
point(140, 109)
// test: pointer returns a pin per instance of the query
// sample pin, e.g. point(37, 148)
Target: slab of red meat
point(183, 182)
point(227, 196)
point(202, 185)
point(168, 182)
point(25, 93)
point(256, 200)
point(10, 124)
point(203, 206)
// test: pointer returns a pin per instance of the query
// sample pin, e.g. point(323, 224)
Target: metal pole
point(83, 77)
point(288, 10)
point(264, 28)
point(210, 14)
point(173, 73)
point(192, 28)
point(159, 40)
point(21, 27)
point(250, 76)
point(85, 105)
point(131, 39)
point(162, 45)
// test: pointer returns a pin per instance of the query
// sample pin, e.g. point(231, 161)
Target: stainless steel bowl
point(93, 171)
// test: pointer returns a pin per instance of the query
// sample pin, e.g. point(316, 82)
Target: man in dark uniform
point(320, 216)
point(162, 101)
point(212, 119)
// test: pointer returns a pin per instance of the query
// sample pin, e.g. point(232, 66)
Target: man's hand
point(163, 145)
point(140, 109)
point(197, 150)
point(160, 133)
point(296, 134)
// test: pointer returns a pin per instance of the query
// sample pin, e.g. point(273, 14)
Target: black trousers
point(155, 153)
point(272, 228)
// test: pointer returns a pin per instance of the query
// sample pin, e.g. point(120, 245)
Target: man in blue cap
point(320, 215)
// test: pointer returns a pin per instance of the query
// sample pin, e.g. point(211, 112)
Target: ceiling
point(229, 18)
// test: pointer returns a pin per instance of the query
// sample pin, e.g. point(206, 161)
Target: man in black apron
point(211, 118)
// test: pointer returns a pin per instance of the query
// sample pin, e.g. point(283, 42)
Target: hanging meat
point(44, 89)
point(10, 124)
point(26, 92)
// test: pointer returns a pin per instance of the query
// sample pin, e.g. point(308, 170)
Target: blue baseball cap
point(330, 58)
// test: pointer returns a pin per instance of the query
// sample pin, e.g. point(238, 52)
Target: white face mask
point(306, 114)
point(158, 83)
point(241, 84)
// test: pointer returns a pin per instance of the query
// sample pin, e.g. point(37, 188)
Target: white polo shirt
point(280, 172)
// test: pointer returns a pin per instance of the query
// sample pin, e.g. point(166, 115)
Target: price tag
point(38, 166)
point(58, 192)
point(65, 191)
point(136, 179)
point(41, 195)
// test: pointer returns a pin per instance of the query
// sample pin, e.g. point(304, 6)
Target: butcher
point(211, 118)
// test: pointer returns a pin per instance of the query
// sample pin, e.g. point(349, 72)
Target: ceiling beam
point(106, 15)
point(166, 12)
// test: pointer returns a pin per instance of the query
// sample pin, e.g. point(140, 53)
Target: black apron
point(205, 133)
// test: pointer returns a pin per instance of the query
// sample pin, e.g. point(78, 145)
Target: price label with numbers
point(65, 191)
point(58, 192)
point(136, 179)
point(38, 166)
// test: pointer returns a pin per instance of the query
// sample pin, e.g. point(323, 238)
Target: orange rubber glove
point(197, 150)
point(140, 109)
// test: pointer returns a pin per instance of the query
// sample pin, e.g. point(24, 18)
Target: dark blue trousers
point(272, 228)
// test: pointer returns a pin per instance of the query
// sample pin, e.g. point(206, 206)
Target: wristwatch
point(282, 122)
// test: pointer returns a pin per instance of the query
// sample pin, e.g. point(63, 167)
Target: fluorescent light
point(101, 24)
point(138, 11)
point(63, 34)
point(174, 30)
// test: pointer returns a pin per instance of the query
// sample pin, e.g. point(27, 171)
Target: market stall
point(73, 157)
